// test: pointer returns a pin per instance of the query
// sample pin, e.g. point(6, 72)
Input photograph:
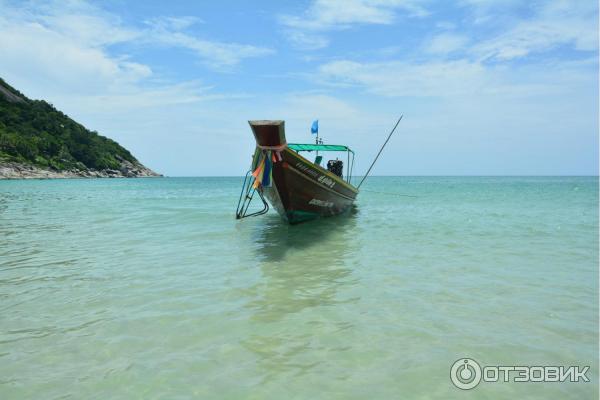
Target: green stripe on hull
point(295, 217)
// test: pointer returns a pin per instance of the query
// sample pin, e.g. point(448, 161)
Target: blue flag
point(314, 129)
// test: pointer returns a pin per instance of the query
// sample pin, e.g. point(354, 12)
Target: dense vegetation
point(34, 132)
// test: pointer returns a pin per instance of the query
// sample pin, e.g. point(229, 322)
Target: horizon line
point(408, 176)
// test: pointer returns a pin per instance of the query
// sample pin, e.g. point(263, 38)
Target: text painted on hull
point(324, 179)
point(321, 203)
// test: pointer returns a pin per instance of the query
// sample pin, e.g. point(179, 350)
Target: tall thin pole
point(380, 150)
point(317, 141)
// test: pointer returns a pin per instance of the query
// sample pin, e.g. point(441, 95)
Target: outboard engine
point(336, 167)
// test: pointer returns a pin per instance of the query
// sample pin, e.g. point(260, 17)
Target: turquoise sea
point(150, 289)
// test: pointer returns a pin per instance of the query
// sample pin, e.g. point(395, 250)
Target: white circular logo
point(465, 373)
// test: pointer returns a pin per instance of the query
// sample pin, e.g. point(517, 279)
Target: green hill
point(34, 133)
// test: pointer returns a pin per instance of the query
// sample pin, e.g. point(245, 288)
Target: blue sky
point(486, 87)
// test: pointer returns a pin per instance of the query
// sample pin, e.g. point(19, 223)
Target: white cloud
point(324, 15)
point(482, 6)
point(556, 23)
point(307, 41)
point(50, 59)
point(170, 31)
point(63, 50)
point(446, 25)
point(76, 20)
point(446, 43)
point(89, 30)
point(305, 106)
point(84, 25)
point(174, 23)
point(399, 78)
point(327, 14)
point(213, 53)
point(459, 78)
point(134, 98)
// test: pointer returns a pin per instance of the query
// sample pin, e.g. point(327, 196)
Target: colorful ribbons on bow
point(263, 167)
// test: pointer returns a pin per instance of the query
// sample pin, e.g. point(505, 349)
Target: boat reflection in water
point(293, 307)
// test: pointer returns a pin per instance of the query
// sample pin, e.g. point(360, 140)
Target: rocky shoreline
point(13, 170)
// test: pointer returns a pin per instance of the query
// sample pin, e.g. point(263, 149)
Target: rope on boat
point(280, 147)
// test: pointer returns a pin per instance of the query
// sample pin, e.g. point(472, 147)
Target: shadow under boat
point(275, 239)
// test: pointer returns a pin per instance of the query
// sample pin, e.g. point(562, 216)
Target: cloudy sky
point(486, 87)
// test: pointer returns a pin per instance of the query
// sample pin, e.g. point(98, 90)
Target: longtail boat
point(299, 189)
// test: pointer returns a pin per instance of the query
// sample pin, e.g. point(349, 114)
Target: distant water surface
point(148, 288)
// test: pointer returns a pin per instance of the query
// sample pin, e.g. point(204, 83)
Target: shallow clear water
point(148, 288)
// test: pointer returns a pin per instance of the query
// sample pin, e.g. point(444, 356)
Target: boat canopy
point(318, 147)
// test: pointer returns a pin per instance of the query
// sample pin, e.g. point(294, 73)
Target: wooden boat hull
point(302, 191)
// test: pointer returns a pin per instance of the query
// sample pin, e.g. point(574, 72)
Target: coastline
point(14, 170)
